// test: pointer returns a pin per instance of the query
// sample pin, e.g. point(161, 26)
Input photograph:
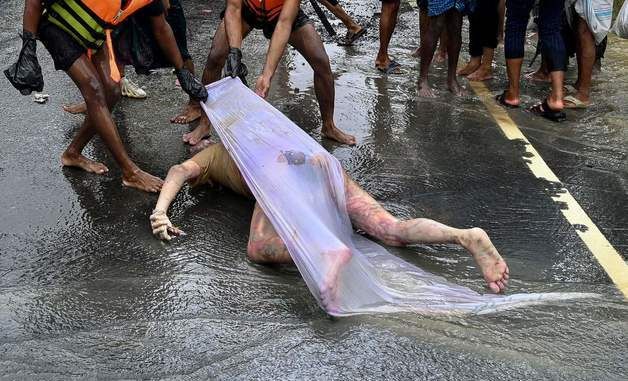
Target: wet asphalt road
point(87, 292)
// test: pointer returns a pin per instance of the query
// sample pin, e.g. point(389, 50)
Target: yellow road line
point(602, 250)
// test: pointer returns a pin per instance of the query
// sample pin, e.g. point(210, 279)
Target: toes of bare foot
point(143, 181)
point(339, 136)
point(426, 92)
point(78, 108)
point(80, 161)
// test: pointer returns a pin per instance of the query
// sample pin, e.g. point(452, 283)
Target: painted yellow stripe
point(602, 250)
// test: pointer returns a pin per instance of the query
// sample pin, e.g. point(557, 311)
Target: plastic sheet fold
point(300, 187)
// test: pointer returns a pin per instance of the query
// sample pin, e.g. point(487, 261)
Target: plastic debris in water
point(40, 98)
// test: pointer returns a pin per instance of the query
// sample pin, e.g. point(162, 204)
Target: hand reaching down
point(162, 227)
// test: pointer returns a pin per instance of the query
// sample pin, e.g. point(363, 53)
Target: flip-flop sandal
point(351, 37)
point(570, 89)
point(393, 67)
point(575, 103)
point(542, 109)
point(501, 99)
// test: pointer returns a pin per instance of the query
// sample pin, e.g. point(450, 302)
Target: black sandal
point(543, 109)
point(501, 99)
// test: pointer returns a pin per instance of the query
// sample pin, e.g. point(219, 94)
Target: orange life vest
point(265, 10)
point(90, 22)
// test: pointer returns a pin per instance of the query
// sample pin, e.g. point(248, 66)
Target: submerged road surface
point(87, 292)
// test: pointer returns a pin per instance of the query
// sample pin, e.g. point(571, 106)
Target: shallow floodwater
point(87, 292)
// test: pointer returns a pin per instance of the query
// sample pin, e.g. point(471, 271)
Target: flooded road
point(87, 292)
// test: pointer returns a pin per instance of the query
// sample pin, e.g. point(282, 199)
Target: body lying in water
point(214, 165)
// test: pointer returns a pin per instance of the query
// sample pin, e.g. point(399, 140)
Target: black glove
point(235, 67)
point(25, 74)
point(192, 86)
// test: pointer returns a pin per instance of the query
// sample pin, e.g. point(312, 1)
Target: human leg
point(265, 246)
point(553, 47)
point(475, 43)
point(211, 73)
point(517, 15)
point(308, 43)
point(488, 9)
point(585, 51)
point(337, 10)
point(369, 216)
point(454, 43)
point(428, 47)
point(387, 23)
point(100, 96)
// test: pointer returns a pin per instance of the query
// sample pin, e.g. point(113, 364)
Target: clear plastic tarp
point(300, 187)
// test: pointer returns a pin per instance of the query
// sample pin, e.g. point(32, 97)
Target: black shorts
point(268, 27)
point(63, 48)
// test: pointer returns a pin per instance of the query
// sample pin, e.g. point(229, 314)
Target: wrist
point(28, 35)
point(158, 211)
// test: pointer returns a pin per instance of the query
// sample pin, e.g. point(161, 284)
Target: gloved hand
point(25, 74)
point(192, 86)
point(235, 67)
point(162, 227)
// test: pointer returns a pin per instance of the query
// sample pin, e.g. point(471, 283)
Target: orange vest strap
point(110, 11)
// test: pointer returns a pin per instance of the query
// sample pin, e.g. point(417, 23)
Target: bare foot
point(425, 90)
point(80, 161)
point(199, 133)
point(483, 73)
point(76, 108)
point(455, 88)
point(538, 76)
point(334, 133)
point(200, 146)
point(440, 56)
point(470, 67)
point(491, 264)
point(143, 181)
point(190, 113)
point(335, 260)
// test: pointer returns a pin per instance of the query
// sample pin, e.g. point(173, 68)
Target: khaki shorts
point(217, 167)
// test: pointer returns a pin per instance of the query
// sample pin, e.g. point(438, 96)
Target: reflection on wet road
point(87, 292)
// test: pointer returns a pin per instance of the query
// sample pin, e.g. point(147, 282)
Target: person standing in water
point(61, 26)
point(214, 166)
point(283, 22)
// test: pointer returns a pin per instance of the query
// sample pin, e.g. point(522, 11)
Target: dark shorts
point(63, 48)
point(268, 27)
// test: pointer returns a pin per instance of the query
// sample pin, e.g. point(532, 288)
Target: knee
point(93, 92)
point(254, 251)
point(392, 232)
point(262, 252)
point(320, 63)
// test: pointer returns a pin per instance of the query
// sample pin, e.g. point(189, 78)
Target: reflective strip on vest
point(72, 18)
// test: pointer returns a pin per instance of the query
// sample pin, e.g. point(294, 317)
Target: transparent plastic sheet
point(304, 198)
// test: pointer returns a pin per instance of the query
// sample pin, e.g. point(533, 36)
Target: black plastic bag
point(25, 75)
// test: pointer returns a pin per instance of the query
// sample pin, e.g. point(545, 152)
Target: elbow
point(178, 171)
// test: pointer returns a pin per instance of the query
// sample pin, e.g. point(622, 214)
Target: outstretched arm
point(177, 176)
point(278, 43)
